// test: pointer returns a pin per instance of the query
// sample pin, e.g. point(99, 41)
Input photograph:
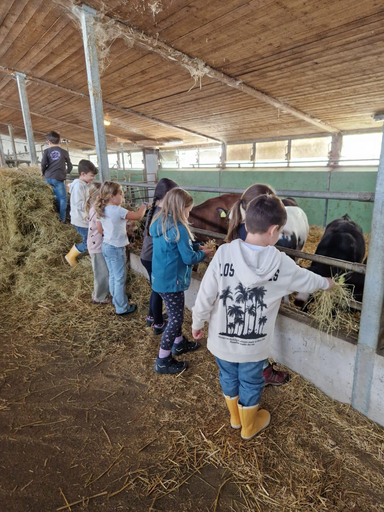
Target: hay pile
point(36, 282)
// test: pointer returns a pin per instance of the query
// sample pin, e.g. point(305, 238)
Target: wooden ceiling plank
point(42, 48)
point(19, 22)
point(167, 52)
point(111, 105)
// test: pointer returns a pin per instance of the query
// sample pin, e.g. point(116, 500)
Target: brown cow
point(212, 215)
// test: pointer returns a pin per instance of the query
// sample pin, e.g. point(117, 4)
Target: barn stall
point(253, 103)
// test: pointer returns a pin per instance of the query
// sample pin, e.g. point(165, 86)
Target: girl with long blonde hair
point(173, 257)
point(111, 222)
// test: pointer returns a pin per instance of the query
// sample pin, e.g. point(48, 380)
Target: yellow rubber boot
point(72, 255)
point(233, 410)
point(253, 420)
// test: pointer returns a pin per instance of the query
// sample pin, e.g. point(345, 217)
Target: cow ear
point(222, 212)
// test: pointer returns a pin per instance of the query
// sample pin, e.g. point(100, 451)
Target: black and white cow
point(343, 239)
point(295, 231)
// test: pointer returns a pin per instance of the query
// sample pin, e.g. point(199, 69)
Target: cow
point(343, 239)
point(296, 229)
point(212, 215)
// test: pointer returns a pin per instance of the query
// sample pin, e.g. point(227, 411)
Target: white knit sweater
point(240, 296)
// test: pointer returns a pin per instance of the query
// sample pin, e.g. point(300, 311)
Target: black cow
point(343, 239)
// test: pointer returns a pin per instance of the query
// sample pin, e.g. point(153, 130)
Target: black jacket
point(55, 163)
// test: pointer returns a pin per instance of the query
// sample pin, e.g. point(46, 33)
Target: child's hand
point(331, 283)
point(197, 334)
point(208, 252)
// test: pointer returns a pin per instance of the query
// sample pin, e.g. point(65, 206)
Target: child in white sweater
point(79, 191)
point(240, 296)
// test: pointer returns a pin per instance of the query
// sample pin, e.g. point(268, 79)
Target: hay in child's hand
point(211, 244)
point(331, 309)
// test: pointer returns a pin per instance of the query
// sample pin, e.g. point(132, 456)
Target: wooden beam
point(197, 68)
point(112, 106)
point(56, 121)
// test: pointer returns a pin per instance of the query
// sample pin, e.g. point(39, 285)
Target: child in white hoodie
point(79, 191)
point(240, 296)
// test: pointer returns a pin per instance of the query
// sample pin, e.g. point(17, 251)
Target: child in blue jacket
point(172, 261)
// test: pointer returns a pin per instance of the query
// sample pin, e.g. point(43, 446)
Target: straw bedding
point(316, 455)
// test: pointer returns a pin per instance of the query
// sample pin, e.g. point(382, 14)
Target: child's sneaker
point(169, 365)
point(105, 301)
point(150, 320)
point(159, 329)
point(274, 377)
point(184, 346)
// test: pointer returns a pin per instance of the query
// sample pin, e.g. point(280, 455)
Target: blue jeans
point(242, 379)
point(84, 233)
point(116, 260)
point(60, 193)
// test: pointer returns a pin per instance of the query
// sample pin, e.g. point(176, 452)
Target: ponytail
point(150, 216)
point(108, 189)
point(161, 190)
point(235, 220)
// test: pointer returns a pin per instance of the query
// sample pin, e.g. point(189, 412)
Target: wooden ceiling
point(325, 59)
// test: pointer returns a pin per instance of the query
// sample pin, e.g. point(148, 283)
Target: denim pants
point(155, 301)
point(242, 379)
point(60, 193)
point(116, 260)
point(83, 232)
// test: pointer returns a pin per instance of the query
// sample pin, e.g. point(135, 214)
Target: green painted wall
point(350, 179)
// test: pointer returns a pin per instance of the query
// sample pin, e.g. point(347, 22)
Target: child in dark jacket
point(155, 313)
point(173, 257)
point(55, 165)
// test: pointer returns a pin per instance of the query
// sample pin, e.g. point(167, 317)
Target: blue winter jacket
point(172, 261)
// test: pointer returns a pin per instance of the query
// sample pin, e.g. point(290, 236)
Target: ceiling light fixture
point(106, 122)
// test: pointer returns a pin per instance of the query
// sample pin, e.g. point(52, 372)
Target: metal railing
point(359, 268)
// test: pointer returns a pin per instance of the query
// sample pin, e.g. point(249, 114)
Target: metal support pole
point(372, 301)
point(223, 157)
point(2, 155)
point(12, 137)
point(288, 152)
point(327, 200)
point(333, 161)
point(87, 16)
point(20, 77)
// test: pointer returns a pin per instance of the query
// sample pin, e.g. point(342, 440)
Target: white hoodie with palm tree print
point(240, 296)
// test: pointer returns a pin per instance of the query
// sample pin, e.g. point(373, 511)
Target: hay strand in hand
point(331, 309)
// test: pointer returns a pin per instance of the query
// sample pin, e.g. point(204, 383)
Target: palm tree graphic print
point(244, 312)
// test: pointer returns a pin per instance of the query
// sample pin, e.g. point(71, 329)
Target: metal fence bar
point(365, 197)
point(372, 302)
point(346, 265)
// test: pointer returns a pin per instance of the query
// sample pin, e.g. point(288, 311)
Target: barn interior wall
point(349, 179)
